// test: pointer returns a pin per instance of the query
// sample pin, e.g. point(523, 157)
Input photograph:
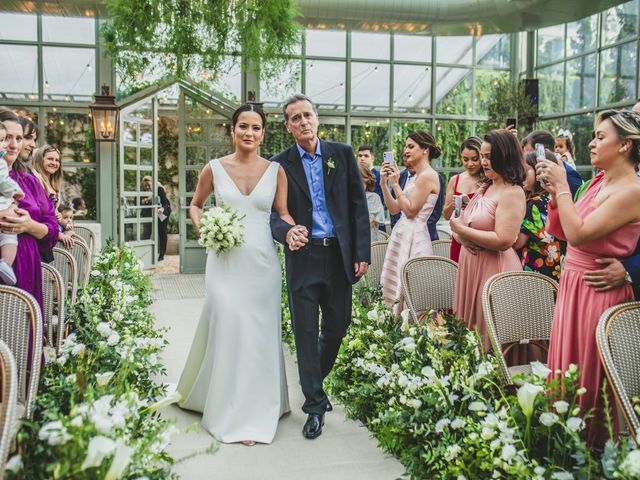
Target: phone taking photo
point(512, 121)
point(387, 157)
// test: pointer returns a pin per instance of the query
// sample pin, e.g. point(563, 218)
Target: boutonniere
point(330, 165)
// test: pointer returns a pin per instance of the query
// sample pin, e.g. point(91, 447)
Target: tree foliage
point(510, 100)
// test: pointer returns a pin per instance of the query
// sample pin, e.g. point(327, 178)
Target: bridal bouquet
point(221, 229)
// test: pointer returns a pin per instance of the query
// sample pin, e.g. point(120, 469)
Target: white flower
point(95, 273)
point(414, 403)
point(477, 407)
point(120, 461)
point(113, 339)
point(113, 271)
point(540, 369)
point(378, 333)
point(485, 368)
point(104, 329)
point(49, 354)
point(76, 421)
point(61, 360)
point(372, 315)
point(14, 464)
point(102, 379)
point(573, 368)
point(561, 406)
point(548, 418)
point(99, 448)
point(54, 433)
point(562, 476)
point(440, 424)
point(428, 372)
point(508, 453)
point(631, 464)
point(575, 424)
point(458, 423)
point(581, 391)
point(539, 470)
point(452, 451)
point(487, 433)
point(78, 350)
point(527, 394)
point(405, 316)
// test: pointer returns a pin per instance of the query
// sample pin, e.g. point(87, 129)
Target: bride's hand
point(297, 237)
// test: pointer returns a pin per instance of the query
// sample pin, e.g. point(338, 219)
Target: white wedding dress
point(235, 371)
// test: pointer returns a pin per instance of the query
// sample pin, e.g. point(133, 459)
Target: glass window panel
point(17, 26)
point(146, 228)
point(132, 201)
point(276, 138)
point(618, 73)
point(486, 80)
point(373, 132)
point(192, 180)
point(227, 81)
point(191, 232)
point(130, 181)
point(69, 73)
point(581, 83)
point(449, 135)
point(332, 129)
point(196, 155)
point(129, 132)
point(550, 89)
point(219, 151)
point(220, 131)
point(370, 45)
point(146, 134)
point(130, 232)
point(326, 83)
point(195, 132)
point(369, 86)
point(146, 156)
point(494, 50)
point(147, 202)
point(275, 90)
point(19, 77)
point(326, 43)
point(414, 48)
point(581, 35)
point(401, 129)
point(620, 23)
point(550, 44)
point(68, 29)
point(581, 127)
point(80, 182)
point(453, 91)
point(130, 155)
point(72, 132)
point(456, 50)
point(411, 88)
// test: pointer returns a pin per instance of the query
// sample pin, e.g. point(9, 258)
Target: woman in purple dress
point(34, 221)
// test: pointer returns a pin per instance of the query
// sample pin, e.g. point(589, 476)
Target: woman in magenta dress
point(464, 184)
point(605, 222)
point(489, 226)
point(410, 237)
point(34, 220)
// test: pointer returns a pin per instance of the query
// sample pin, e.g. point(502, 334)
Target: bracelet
point(566, 192)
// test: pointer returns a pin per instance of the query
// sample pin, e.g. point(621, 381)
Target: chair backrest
point(378, 251)
point(20, 326)
point(518, 308)
point(443, 234)
point(65, 264)
point(383, 235)
point(9, 392)
point(82, 255)
point(617, 337)
point(428, 283)
point(53, 293)
point(87, 235)
point(441, 248)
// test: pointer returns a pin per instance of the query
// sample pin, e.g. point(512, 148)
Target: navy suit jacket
point(346, 202)
point(437, 210)
point(632, 265)
point(573, 178)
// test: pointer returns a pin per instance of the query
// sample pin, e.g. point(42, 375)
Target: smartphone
point(387, 157)
point(540, 153)
point(512, 121)
point(457, 205)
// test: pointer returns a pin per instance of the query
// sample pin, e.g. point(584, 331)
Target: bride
point(235, 372)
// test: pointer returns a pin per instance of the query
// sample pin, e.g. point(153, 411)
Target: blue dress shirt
point(321, 222)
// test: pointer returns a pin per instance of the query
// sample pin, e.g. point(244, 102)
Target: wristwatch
point(628, 279)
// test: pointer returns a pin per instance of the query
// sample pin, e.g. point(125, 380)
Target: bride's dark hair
point(248, 107)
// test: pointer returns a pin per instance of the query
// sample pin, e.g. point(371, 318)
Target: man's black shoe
point(313, 428)
point(329, 407)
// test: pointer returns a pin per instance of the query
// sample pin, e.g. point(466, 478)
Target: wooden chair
point(21, 326)
point(87, 235)
point(443, 234)
point(617, 337)
point(428, 283)
point(383, 235)
point(9, 403)
point(372, 278)
point(518, 309)
point(65, 264)
point(82, 256)
point(441, 248)
point(53, 293)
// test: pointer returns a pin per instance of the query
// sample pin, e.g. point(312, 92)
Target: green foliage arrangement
point(509, 99)
point(93, 417)
point(178, 36)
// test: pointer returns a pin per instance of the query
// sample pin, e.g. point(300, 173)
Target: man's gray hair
point(297, 97)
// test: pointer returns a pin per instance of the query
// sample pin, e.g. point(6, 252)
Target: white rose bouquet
point(221, 229)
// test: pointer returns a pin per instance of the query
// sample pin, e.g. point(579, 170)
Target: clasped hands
point(14, 220)
point(391, 172)
point(297, 237)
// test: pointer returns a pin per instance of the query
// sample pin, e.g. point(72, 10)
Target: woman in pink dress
point(410, 237)
point(464, 184)
point(604, 223)
point(489, 226)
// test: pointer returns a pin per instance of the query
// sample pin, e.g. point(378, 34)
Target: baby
point(65, 219)
point(10, 192)
point(565, 149)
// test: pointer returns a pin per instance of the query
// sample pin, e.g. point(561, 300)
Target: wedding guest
point(489, 226)
point(538, 251)
point(163, 213)
point(604, 223)
point(564, 148)
point(374, 204)
point(34, 220)
point(545, 138)
point(64, 216)
point(365, 155)
point(79, 207)
point(30, 136)
point(410, 237)
point(464, 184)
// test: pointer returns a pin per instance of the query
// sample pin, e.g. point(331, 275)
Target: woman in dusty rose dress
point(410, 237)
point(604, 223)
point(489, 226)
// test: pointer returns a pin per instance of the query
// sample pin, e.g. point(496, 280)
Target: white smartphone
point(457, 205)
point(387, 157)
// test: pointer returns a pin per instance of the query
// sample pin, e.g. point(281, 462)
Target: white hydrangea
point(548, 418)
point(561, 406)
point(575, 424)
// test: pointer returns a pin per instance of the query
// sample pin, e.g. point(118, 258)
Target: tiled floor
point(345, 451)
